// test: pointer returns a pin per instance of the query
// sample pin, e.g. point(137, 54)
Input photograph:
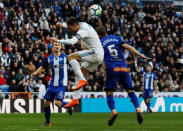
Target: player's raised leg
point(61, 103)
point(74, 60)
point(60, 97)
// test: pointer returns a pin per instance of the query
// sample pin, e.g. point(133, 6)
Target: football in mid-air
point(95, 11)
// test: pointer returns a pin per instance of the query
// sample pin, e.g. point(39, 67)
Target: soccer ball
point(95, 11)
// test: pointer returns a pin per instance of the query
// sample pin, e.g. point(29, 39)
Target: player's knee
point(128, 91)
point(73, 56)
point(85, 71)
point(46, 103)
point(58, 103)
point(109, 92)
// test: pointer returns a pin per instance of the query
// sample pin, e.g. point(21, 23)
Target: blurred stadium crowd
point(26, 27)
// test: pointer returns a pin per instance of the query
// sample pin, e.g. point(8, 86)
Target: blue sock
point(148, 106)
point(64, 103)
point(47, 113)
point(110, 102)
point(134, 99)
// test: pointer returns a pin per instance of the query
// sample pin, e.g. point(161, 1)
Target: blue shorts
point(116, 74)
point(148, 94)
point(57, 93)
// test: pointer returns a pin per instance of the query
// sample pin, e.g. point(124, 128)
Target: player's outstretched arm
point(133, 50)
point(72, 41)
point(39, 70)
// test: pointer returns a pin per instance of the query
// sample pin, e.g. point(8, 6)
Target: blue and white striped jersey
point(148, 80)
point(59, 66)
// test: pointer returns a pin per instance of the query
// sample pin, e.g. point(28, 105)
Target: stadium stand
point(155, 29)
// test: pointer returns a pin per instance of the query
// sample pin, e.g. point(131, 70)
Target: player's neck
point(57, 54)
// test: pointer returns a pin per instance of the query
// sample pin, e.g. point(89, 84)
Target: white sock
point(77, 70)
point(76, 80)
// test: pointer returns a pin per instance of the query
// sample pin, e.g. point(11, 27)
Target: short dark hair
point(72, 21)
point(101, 30)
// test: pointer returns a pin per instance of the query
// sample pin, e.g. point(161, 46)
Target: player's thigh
point(150, 94)
point(46, 102)
point(126, 81)
point(50, 94)
point(74, 56)
point(145, 94)
point(58, 103)
point(60, 93)
point(90, 56)
point(111, 80)
point(84, 70)
point(89, 66)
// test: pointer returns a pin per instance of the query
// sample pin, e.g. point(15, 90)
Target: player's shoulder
point(64, 55)
point(51, 56)
point(153, 73)
point(83, 25)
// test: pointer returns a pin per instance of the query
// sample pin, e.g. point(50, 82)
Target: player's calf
point(73, 103)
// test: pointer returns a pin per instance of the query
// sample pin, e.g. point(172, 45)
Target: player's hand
point(54, 39)
point(58, 24)
point(146, 58)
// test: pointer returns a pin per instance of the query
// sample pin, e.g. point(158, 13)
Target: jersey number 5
point(112, 50)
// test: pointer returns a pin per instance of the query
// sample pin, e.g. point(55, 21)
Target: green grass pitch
point(92, 122)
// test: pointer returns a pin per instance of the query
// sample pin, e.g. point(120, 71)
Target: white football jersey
point(90, 37)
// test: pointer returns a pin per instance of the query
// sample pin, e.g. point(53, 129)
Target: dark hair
point(72, 21)
point(101, 30)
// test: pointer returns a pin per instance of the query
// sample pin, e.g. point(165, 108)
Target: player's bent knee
point(85, 71)
point(46, 103)
point(109, 92)
point(74, 56)
point(128, 91)
point(58, 103)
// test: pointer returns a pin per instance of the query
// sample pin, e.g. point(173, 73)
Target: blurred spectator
point(11, 77)
point(5, 59)
point(22, 86)
point(13, 86)
point(2, 79)
point(19, 76)
point(40, 87)
point(30, 67)
point(92, 96)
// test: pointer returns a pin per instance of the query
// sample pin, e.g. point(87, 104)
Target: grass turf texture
point(92, 122)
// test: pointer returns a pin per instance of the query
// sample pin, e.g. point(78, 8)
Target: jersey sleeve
point(81, 34)
point(121, 40)
point(71, 41)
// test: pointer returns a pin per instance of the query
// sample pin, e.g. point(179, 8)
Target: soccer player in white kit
point(91, 58)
